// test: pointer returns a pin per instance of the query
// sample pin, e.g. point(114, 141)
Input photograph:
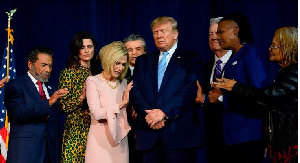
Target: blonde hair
point(110, 54)
point(164, 20)
point(287, 38)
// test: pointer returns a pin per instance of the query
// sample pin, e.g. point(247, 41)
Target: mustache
point(44, 73)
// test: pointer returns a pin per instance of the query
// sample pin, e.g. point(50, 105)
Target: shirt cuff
point(220, 98)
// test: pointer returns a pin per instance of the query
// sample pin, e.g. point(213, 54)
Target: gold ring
point(57, 92)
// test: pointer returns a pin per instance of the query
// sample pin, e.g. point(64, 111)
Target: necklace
point(112, 87)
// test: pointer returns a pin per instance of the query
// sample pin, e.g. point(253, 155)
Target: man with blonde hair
point(163, 97)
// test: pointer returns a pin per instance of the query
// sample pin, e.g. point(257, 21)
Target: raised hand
point(126, 93)
point(56, 95)
point(2, 82)
point(125, 100)
point(200, 95)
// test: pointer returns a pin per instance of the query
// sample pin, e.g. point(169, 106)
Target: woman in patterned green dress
point(81, 63)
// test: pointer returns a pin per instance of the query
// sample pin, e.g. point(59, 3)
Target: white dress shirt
point(131, 69)
point(168, 57)
point(224, 59)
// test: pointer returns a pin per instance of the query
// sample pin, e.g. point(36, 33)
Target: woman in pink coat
point(107, 97)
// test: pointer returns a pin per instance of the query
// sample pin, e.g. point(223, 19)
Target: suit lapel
point(208, 72)
point(234, 59)
point(31, 86)
point(174, 62)
point(49, 89)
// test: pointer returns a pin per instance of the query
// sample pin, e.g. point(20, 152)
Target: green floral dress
point(77, 123)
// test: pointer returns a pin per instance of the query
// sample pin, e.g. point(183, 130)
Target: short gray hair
point(134, 37)
point(214, 21)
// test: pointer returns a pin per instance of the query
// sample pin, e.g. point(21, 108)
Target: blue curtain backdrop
point(53, 23)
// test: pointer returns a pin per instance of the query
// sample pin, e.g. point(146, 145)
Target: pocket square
point(234, 63)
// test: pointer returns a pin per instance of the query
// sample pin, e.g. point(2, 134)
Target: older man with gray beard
point(33, 112)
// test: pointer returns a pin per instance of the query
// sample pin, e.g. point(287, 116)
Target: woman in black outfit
point(281, 98)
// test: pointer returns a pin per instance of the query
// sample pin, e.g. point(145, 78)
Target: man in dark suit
point(213, 105)
point(136, 46)
point(33, 112)
point(163, 95)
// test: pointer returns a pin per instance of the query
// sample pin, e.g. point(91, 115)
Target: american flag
point(4, 124)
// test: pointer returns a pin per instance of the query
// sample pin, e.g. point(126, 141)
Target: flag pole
point(9, 39)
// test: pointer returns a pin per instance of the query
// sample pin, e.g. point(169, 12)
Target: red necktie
point(41, 91)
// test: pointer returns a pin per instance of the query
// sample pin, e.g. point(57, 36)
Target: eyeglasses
point(274, 46)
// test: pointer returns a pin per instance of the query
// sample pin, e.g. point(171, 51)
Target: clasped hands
point(155, 118)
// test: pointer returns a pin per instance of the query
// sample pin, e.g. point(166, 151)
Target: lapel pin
point(179, 57)
point(234, 63)
point(49, 87)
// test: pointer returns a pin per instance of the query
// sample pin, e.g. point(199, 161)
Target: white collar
point(172, 50)
point(225, 57)
point(32, 78)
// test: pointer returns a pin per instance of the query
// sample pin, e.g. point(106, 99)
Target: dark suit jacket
point(213, 112)
point(128, 76)
point(175, 98)
point(30, 129)
point(242, 121)
point(213, 117)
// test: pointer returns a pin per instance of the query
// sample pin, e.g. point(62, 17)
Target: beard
point(39, 76)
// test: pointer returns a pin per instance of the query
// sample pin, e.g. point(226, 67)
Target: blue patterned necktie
point(161, 68)
point(218, 71)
